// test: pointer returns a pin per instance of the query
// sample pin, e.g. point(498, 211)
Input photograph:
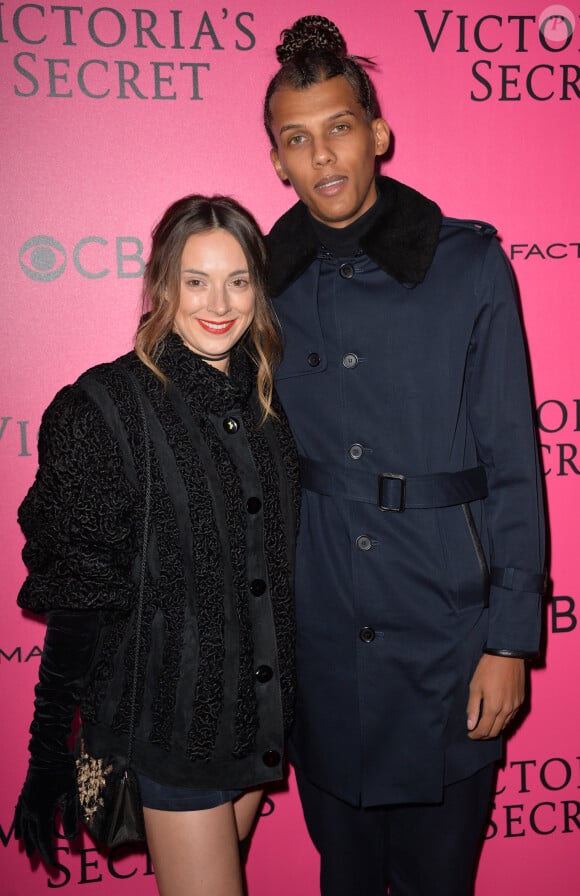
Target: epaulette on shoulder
point(481, 227)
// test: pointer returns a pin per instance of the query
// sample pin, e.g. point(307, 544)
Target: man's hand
point(496, 693)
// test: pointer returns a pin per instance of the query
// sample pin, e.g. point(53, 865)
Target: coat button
point(253, 505)
point(313, 359)
point(264, 674)
point(271, 758)
point(363, 543)
point(231, 425)
point(257, 587)
point(367, 634)
point(349, 360)
point(346, 271)
point(356, 451)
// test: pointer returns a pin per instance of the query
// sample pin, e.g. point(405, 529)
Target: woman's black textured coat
point(216, 678)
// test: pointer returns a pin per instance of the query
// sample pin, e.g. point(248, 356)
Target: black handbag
point(108, 788)
point(127, 824)
point(109, 799)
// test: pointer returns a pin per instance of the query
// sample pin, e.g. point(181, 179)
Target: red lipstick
point(216, 328)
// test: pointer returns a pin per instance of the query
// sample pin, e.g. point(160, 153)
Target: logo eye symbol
point(42, 258)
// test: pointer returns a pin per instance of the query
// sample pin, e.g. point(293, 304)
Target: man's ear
point(382, 136)
point(278, 168)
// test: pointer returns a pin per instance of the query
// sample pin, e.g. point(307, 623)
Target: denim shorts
point(181, 799)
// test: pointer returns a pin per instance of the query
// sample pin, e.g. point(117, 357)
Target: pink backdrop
point(109, 114)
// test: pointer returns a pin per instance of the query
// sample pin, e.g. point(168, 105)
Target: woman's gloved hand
point(45, 792)
point(50, 784)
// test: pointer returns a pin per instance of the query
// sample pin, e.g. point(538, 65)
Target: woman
point(215, 673)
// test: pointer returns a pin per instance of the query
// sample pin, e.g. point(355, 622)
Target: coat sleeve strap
point(518, 579)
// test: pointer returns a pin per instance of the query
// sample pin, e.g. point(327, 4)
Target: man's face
point(326, 147)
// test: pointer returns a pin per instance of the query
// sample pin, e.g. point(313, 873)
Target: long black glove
point(50, 783)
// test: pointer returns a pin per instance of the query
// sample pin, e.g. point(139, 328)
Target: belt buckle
point(403, 480)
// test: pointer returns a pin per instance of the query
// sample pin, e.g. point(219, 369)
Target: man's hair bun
point(310, 34)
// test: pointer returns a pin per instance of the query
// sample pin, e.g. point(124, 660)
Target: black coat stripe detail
point(239, 648)
point(213, 569)
point(278, 529)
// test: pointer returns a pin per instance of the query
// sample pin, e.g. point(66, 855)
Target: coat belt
point(395, 491)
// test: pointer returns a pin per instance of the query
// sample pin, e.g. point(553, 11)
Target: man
point(420, 561)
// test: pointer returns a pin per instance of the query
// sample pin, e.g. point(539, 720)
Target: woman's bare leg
point(195, 853)
point(245, 809)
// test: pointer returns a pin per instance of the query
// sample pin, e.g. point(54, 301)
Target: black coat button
point(231, 425)
point(346, 271)
point(367, 634)
point(356, 451)
point(253, 505)
point(313, 359)
point(264, 674)
point(363, 543)
point(349, 360)
point(257, 587)
point(271, 758)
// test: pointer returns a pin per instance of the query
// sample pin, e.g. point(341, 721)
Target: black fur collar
point(402, 239)
point(205, 388)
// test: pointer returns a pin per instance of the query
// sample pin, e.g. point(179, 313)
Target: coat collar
point(206, 389)
point(402, 239)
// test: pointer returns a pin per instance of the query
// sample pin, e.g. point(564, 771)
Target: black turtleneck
point(346, 241)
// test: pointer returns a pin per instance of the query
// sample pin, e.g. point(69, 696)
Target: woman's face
point(216, 298)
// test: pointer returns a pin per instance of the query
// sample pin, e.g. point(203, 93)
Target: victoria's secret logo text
point(550, 33)
point(562, 420)
point(550, 805)
point(41, 67)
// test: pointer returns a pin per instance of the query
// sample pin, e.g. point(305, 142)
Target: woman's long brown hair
point(161, 284)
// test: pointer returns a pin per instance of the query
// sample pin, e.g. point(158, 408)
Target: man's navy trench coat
point(407, 360)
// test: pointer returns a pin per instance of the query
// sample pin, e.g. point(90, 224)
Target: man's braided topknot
point(312, 51)
point(308, 34)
